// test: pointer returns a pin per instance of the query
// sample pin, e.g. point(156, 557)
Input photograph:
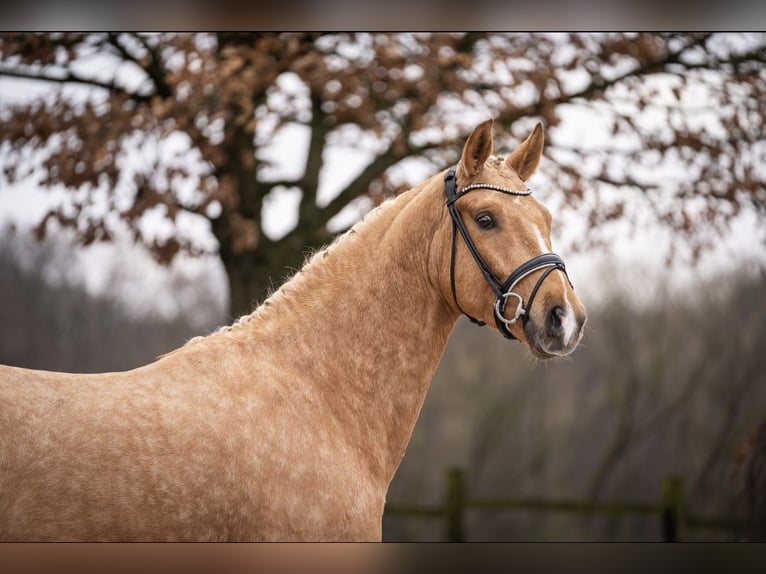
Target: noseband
point(503, 290)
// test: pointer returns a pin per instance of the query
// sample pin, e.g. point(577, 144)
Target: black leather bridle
point(503, 290)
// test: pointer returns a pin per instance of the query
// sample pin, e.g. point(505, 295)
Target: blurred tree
point(681, 114)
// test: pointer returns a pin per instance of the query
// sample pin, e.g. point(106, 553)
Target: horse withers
point(290, 423)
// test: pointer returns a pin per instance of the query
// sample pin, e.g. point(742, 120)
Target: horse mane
point(316, 261)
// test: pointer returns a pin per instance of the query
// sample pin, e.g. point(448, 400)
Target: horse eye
point(485, 220)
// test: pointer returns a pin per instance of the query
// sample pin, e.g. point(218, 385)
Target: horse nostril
point(555, 326)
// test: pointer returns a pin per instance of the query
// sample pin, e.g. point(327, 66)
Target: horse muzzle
point(556, 331)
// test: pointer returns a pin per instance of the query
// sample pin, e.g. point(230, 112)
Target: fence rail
point(675, 521)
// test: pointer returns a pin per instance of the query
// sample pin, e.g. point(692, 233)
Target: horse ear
point(526, 157)
point(477, 149)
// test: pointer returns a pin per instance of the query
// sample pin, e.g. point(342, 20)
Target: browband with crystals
point(501, 188)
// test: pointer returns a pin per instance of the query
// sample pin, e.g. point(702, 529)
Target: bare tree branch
point(155, 70)
point(309, 183)
point(358, 186)
point(71, 78)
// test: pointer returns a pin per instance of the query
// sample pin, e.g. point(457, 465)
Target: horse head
point(502, 268)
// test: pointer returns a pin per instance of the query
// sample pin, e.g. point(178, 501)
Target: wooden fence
point(674, 519)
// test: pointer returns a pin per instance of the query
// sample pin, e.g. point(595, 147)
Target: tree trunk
point(254, 275)
point(248, 284)
point(255, 265)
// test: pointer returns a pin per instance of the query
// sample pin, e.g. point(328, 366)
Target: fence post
point(454, 505)
point(672, 508)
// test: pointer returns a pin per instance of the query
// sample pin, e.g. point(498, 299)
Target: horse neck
point(366, 320)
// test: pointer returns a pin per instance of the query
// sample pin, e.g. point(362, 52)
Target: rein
point(503, 290)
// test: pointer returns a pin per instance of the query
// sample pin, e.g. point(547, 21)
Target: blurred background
point(157, 186)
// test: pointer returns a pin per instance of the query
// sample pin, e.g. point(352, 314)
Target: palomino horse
point(290, 424)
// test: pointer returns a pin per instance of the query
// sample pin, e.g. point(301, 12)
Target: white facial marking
point(541, 241)
point(568, 321)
